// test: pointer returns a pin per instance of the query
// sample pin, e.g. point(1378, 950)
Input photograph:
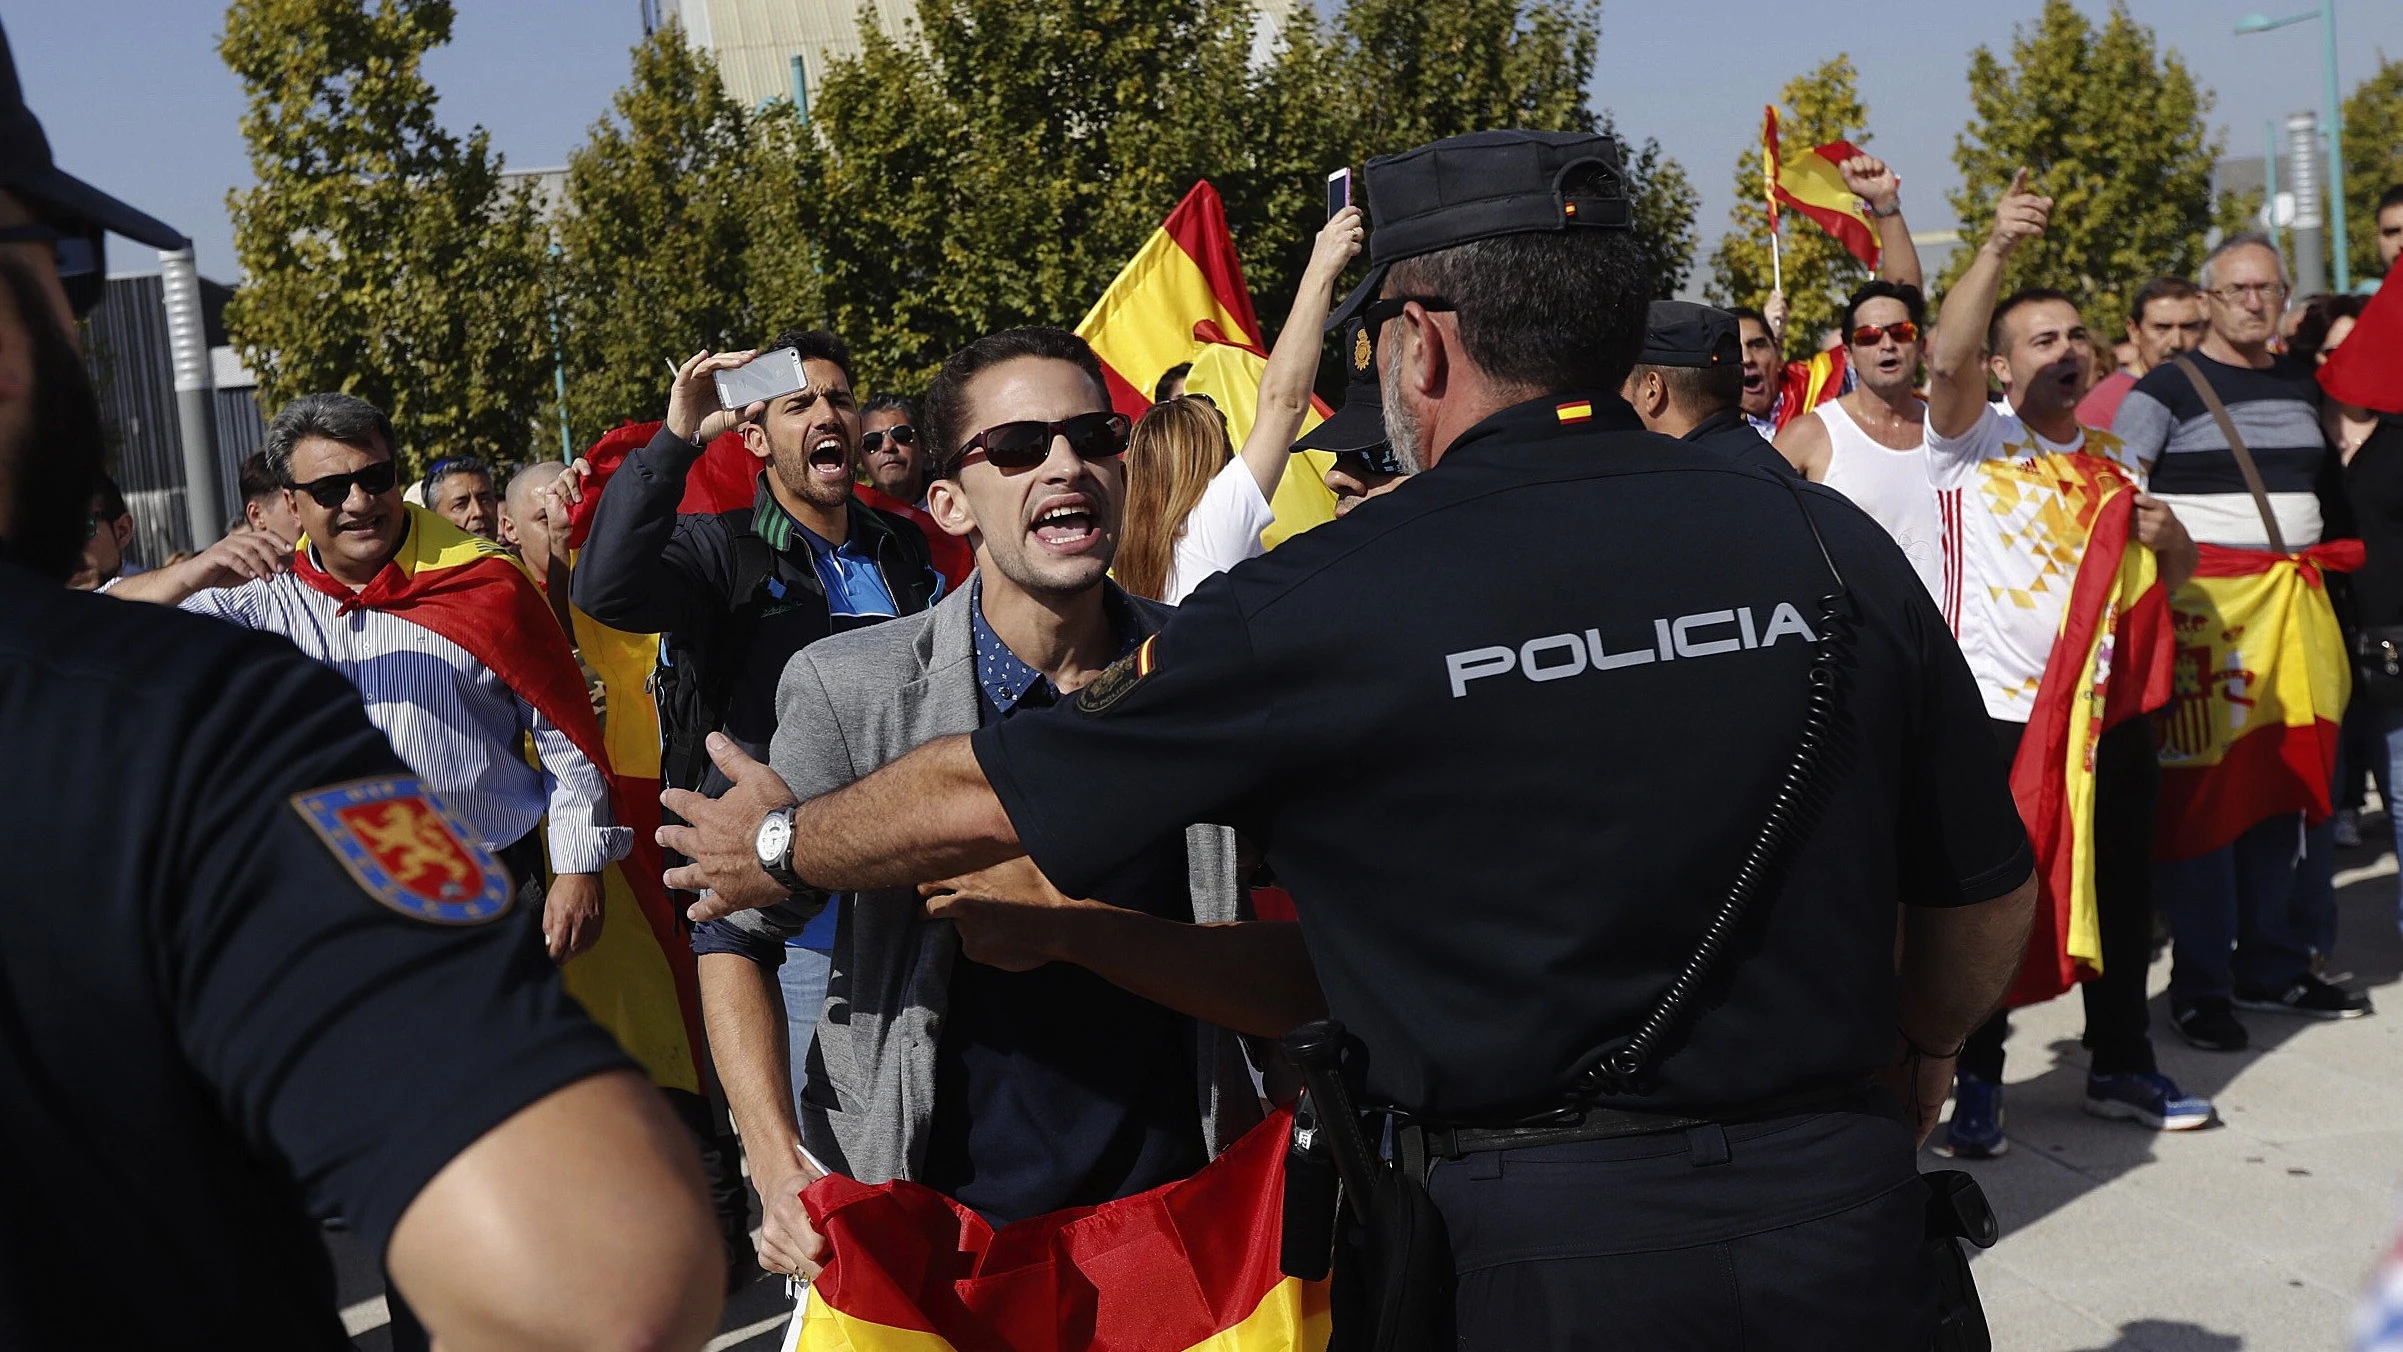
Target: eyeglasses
point(1869, 335)
point(1376, 312)
point(334, 489)
point(1024, 445)
point(81, 273)
point(902, 434)
point(2244, 291)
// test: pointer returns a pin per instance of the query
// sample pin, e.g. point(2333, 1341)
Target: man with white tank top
point(1870, 445)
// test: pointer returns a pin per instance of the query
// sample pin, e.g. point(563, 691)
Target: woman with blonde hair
point(1194, 507)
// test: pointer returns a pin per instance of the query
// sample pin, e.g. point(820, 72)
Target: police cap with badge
point(1683, 333)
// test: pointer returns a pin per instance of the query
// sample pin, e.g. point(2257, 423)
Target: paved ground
point(2252, 1235)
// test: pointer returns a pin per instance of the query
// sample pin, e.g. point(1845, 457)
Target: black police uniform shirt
point(210, 1029)
point(1505, 734)
point(1727, 433)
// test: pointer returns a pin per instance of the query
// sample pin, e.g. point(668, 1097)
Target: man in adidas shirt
point(2017, 490)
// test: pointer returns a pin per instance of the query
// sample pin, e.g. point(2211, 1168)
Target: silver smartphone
point(1339, 192)
point(770, 375)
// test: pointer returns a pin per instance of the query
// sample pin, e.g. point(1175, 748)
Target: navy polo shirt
point(1054, 1088)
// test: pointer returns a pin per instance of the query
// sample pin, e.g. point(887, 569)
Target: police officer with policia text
point(251, 972)
point(1513, 788)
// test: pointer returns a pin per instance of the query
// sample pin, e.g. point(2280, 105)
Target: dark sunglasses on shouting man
point(1023, 445)
point(334, 489)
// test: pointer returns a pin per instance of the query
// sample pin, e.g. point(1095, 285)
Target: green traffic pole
point(567, 443)
point(2269, 184)
point(2336, 152)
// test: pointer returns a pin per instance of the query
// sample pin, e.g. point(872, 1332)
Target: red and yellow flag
point(1805, 385)
point(2111, 663)
point(1188, 1267)
point(1810, 184)
point(1181, 298)
point(2260, 689)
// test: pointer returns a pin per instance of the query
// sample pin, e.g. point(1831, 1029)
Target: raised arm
point(1871, 181)
point(1956, 374)
point(634, 573)
point(244, 556)
point(1293, 364)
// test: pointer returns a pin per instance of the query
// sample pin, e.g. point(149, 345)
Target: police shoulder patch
point(407, 850)
point(1119, 678)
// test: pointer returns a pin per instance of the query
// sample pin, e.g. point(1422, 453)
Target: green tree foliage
point(384, 255)
point(1039, 142)
point(2373, 159)
point(1814, 109)
point(680, 232)
point(2113, 131)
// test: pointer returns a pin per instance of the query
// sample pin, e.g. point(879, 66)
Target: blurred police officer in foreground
point(1507, 733)
point(250, 972)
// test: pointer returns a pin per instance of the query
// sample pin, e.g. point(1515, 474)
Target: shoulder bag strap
point(2236, 446)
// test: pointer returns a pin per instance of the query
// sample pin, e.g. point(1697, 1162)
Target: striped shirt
point(454, 722)
point(2170, 432)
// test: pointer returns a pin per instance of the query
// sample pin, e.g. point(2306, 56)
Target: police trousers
point(1799, 1232)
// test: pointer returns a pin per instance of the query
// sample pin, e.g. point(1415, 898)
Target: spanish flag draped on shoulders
point(473, 593)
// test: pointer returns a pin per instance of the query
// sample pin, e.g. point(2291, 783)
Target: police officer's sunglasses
point(334, 489)
point(78, 258)
point(1024, 445)
point(902, 434)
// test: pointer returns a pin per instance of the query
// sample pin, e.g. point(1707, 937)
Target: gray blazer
point(847, 704)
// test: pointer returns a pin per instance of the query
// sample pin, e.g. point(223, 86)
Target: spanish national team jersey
point(2017, 510)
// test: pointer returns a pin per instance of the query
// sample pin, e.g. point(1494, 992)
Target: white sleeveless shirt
point(1891, 486)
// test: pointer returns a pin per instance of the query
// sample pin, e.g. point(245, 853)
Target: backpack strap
point(2236, 446)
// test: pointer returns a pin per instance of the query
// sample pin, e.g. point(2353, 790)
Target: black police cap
point(1682, 333)
point(1360, 424)
point(1466, 188)
point(64, 201)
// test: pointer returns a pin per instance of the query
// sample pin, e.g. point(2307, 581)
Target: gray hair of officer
point(345, 418)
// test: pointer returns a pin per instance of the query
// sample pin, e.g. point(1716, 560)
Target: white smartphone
point(770, 375)
point(1339, 192)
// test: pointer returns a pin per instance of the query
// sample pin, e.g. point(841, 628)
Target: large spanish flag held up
point(1178, 298)
point(1188, 1267)
point(2260, 688)
point(2111, 663)
point(1810, 184)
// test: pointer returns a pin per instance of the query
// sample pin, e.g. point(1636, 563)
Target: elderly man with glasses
point(2240, 942)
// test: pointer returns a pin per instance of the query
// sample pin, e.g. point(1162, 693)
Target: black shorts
point(1795, 1233)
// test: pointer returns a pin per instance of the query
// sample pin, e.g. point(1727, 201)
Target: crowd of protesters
point(976, 1042)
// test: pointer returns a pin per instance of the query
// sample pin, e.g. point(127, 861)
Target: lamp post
point(2334, 111)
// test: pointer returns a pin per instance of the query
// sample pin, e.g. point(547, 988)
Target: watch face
point(775, 834)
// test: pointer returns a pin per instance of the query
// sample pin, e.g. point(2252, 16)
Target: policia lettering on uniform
point(1558, 656)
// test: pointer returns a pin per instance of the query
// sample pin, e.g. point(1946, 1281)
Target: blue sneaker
point(1975, 1132)
point(2151, 1098)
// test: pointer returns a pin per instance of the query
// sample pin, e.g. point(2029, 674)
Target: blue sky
point(136, 100)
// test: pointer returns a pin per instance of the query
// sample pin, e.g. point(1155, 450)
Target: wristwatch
point(1895, 210)
point(773, 846)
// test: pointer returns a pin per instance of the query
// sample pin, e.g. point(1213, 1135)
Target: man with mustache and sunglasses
point(890, 452)
point(1867, 444)
point(456, 720)
point(1007, 1045)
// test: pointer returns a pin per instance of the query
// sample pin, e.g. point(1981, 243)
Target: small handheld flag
point(1812, 185)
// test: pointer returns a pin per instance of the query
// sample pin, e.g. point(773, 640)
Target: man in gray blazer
point(1018, 1049)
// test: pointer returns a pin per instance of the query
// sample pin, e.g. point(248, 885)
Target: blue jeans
point(2232, 912)
point(803, 977)
point(2390, 730)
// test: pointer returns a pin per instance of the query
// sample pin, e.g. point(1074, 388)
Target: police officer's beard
point(48, 477)
point(1401, 426)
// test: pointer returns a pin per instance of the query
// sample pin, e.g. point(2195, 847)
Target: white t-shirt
point(2020, 509)
point(1222, 531)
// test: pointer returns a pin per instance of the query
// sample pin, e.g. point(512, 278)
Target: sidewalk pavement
point(2254, 1234)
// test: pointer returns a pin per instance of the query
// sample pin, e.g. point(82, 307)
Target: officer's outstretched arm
point(579, 1222)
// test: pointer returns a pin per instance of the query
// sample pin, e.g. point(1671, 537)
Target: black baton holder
point(1358, 1217)
point(1957, 1210)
